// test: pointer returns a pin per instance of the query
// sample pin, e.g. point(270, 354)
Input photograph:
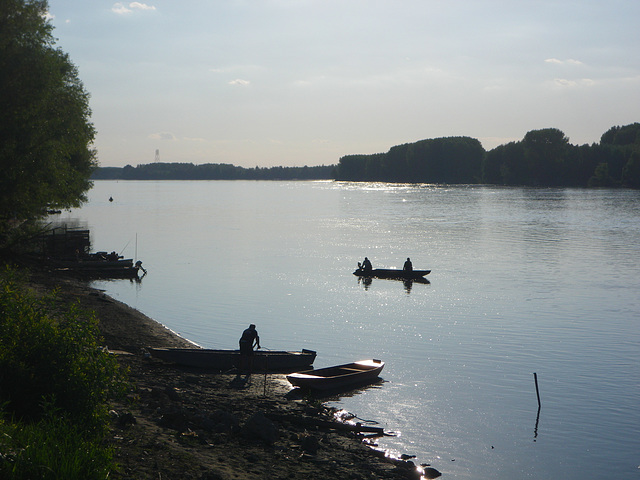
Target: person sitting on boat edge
point(366, 265)
point(248, 339)
point(408, 266)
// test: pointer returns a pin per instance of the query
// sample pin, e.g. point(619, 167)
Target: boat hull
point(223, 360)
point(392, 273)
point(339, 376)
point(96, 268)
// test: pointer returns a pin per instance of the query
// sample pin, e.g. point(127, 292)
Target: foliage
point(52, 448)
point(50, 353)
point(546, 158)
point(542, 158)
point(210, 171)
point(622, 136)
point(631, 171)
point(45, 155)
point(438, 160)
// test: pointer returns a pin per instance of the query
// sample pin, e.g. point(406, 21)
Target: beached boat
point(98, 264)
point(223, 360)
point(339, 376)
point(393, 273)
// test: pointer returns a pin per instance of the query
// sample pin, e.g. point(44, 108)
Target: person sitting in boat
point(113, 256)
point(408, 266)
point(248, 339)
point(366, 265)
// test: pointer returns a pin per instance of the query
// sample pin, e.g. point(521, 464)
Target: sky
point(305, 82)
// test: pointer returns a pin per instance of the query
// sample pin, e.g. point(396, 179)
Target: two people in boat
point(366, 267)
point(248, 340)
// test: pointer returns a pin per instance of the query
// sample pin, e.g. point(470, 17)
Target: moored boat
point(339, 376)
point(223, 360)
point(97, 265)
point(392, 273)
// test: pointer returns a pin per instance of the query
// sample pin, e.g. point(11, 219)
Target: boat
point(339, 376)
point(224, 360)
point(98, 265)
point(393, 273)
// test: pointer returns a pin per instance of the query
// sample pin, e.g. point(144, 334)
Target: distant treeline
point(211, 171)
point(543, 158)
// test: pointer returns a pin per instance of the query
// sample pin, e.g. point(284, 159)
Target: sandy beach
point(182, 423)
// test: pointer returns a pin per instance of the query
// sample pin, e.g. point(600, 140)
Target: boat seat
point(352, 369)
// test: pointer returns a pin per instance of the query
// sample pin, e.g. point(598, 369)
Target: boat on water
point(123, 268)
point(98, 265)
point(339, 376)
point(223, 360)
point(393, 273)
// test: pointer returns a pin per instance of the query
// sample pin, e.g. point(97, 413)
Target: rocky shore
point(181, 423)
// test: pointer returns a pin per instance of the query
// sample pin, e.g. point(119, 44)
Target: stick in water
point(535, 378)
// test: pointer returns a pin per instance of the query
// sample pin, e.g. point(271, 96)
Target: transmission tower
point(157, 156)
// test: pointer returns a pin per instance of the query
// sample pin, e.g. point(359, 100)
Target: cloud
point(566, 83)
point(239, 81)
point(122, 9)
point(563, 82)
point(141, 6)
point(162, 136)
point(569, 61)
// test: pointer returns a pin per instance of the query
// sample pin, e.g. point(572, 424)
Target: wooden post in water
point(535, 430)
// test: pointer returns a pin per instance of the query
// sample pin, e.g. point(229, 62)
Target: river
point(523, 280)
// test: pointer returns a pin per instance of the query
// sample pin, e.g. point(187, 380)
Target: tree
point(544, 154)
point(631, 172)
point(46, 155)
point(625, 135)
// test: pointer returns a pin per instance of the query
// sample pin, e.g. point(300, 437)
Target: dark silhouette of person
point(248, 339)
point(366, 266)
point(408, 266)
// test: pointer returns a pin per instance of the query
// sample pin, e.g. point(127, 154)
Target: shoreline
point(179, 422)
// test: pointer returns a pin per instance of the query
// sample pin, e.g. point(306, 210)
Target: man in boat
point(408, 266)
point(366, 265)
point(248, 339)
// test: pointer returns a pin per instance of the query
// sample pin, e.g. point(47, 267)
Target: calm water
point(523, 281)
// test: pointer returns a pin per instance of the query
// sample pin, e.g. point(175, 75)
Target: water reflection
point(535, 430)
point(339, 393)
point(408, 283)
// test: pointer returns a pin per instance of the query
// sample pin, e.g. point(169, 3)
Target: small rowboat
point(223, 360)
point(393, 273)
point(97, 265)
point(339, 376)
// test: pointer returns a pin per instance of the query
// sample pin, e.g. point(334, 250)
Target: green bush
point(52, 356)
point(51, 449)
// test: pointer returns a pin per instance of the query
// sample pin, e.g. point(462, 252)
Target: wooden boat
point(339, 376)
point(97, 265)
point(392, 273)
point(223, 360)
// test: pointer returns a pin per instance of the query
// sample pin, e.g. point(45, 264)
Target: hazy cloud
point(163, 136)
point(141, 6)
point(122, 9)
point(566, 83)
point(239, 81)
point(569, 61)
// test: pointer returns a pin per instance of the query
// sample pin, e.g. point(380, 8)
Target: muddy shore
point(181, 423)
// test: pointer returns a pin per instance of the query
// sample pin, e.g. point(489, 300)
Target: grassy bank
point(55, 382)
